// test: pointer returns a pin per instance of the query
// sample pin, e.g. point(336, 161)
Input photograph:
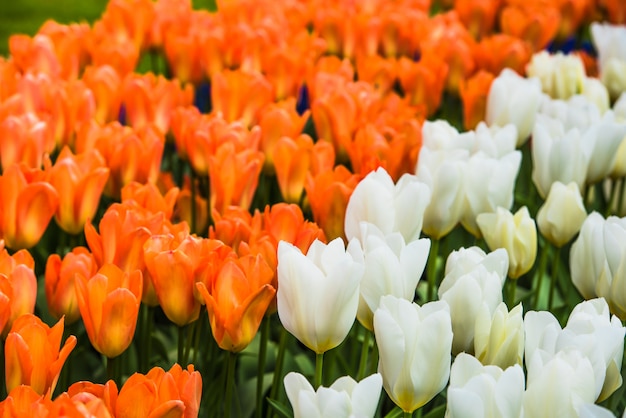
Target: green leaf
point(395, 413)
point(281, 409)
point(437, 412)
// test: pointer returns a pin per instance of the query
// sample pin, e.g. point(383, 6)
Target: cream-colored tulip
point(517, 234)
point(561, 75)
point(610, 42)
point(562, 214)
point(499, 339)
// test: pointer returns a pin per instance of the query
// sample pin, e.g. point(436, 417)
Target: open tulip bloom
point(259, 208)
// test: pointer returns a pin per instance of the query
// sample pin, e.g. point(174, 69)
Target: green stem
point(432, 269)
point(512, 286)
point(554, 275)
point(192, 178)
point(278, 369)
point(373, 360)
point(364, 352)
point(616, 185)
point(230, 383)
point(112, 369)
point(319, 364)
point(181, 347)
point(620, 197)
point(543, 262)
point(265, 331)
point(196, 342)
point(407, 414)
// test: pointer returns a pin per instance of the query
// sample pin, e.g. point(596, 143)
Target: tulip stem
point(406, 414)
point(364, 352)
point(181, 347)
point(432, 269)
point(554, 274)
point(278, 369)
point(511, 294)
point(265, 331)
point(192, 178)
point(319, 364)
point(543, 261)
point(230, 382)
point(112, 363)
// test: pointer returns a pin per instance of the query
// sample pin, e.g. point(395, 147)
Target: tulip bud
point(562, 214)
point(517, 234)
point(499, 339)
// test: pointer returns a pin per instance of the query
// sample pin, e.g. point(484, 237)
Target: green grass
point(27, 16)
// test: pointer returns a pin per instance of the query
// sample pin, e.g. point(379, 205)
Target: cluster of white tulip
point(499, 362)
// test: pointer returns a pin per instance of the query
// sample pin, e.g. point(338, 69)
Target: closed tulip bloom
point(23, 401)
point(561, 76)
point(345, 398)
point(558, 386)
point(606, 137)
point(478, 391)
point(473, 280)
point(591, 330)
point(517, 234)
point(598, 260)
point(18, 286)
point(514, 99)
point(392, 267)
point(237, 301)
point(562, 214)
point(318, 293)
point(609, 42)
point(391, 207)
point(34, 355)
point(414, 344)
point(59, 281)
point(499, 339)
point(109, 305)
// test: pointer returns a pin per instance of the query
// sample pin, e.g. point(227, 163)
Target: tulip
point(23, 401)
point(499, 339)
point(494, 141)
point(292, 160)
point(606, 136)
point(33, 354)
point(473, 92)
point(318, 293)
point(18, 286)
point(561, 76)
point(59, 281)
point(514, 99)
point(237, 301)
point(517, 234)
point(609, 42)
point(414, 346)
point(484, 391)
point(175, 393)
point(343, 399)
point(473, 280)
point(109, 305)
point(79, 181)
point(597, 260)
point(489, 184)
point(391, 208)
point(392, 267)
point(557, 386)
point(24, 139)
point(591, 330)
point(562, 214)
point(148, 196)
point(28, 204)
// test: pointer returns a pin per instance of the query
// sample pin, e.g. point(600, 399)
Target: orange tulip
point(122, 56)
point(240, 95)
point(278, 120)
point(183, 53)
point(27, 205)
point(474, 92)
point(535, 23)
point(105, 83)
point(292, 160)
point(18, 286)
point(183, 211)
point(24, 139)
point(23, 401)
point(126, 21)
point(478, 16)
point(379, 71)
point(175, 393)
point(615, 11)
point(499, 51)
point(69, 46)
point(8, 79)
point(109, 305)
point(33, 354)
point(79, 181)
point(423, 82)
point(232, 226)
point(234, 176)
point(60, 276)
point(285, 222)
point(149, 197)
point(328, 194)
point(34, 55)
point(238, 300)
point(88, 392)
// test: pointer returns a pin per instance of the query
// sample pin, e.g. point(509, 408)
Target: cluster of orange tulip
point(184, 210)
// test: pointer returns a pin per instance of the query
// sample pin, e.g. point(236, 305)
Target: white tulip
point(577, 112)
point(392, 208)
point(440, 135)
point(557, 386)
point(495, 141)
point(345, 398)
point(513, 99)
point(595, 92)
point(562, 214)
point(591, 330)
point(499, 339)
point(392, 267)
point(478, 391)
point(610, 42)
point(473, 282)
point(561, 75)
point(414, 350)
point(516, 233)
point(489, 184)
point(318, 294)
point(590, 410)
point(606, 136)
